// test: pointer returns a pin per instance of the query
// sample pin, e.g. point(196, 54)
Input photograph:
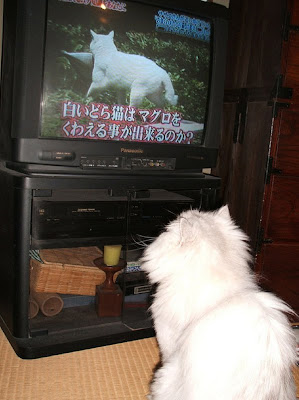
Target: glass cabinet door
point(69, 234)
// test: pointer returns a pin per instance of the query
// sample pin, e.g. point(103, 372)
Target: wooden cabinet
point(253, 65)
point(278, 258)
point(259, 154)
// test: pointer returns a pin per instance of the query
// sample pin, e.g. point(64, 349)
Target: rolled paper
point(33, 307)
point(112, 254)
point(50, 304)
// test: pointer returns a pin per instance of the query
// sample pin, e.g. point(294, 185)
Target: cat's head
point(199, 242)
point(101, 42)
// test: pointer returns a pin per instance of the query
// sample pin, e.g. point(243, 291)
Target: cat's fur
point(139, 75)
point(220, 336)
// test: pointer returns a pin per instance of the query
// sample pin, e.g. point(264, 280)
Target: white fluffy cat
point(220, 336)
point(128, 72)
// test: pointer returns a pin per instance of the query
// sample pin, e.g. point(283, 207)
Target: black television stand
point(48, 210)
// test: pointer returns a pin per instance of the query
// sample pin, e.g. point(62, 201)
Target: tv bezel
point(28, 147)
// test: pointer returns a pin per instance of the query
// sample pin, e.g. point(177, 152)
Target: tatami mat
point(121, 371)
point(296, 374)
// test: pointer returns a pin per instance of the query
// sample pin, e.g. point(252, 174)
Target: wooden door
point(253, 64)
point(278, 256)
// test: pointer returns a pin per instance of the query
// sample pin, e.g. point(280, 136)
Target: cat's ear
point(224, 212)
point(111, 34)
point(93, 34)
point(185, 228)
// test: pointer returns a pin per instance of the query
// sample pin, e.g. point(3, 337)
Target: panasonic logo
point(135, 151)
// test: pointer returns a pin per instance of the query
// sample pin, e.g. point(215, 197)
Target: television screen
point(120, 71)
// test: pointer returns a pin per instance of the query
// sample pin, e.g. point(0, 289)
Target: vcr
point(69, 215)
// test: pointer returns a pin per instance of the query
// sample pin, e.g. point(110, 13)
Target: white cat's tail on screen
point(170, 95)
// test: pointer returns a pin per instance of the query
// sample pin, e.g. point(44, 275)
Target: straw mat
point(122, 371)
point(296, 374)
point(119, 372)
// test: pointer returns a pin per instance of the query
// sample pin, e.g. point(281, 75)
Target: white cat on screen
point(139, 75)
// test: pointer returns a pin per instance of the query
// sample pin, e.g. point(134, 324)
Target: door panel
point(294, 19)
point(291, 60)
point(254, 43)
point(287, 151)
point(242, 164)
point(283, 220)
point(281, 272)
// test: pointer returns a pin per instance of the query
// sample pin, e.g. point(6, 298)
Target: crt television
point(108, 85)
